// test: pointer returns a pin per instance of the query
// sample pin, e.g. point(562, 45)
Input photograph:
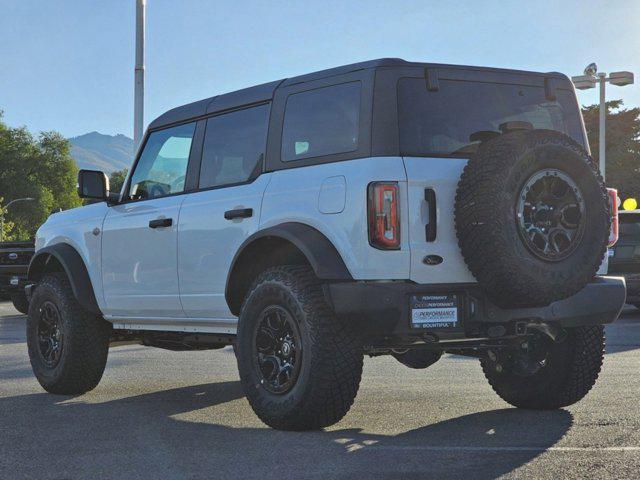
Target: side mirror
point(93, 184)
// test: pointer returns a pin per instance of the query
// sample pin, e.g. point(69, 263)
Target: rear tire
point(20, 302)
point(320, 379)
point(68, 346)
point(571, 369)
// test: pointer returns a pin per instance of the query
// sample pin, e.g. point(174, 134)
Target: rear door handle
point(238, 213)
point(161, 223)
point(431, 227)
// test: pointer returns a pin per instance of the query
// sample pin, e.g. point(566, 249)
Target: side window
point(162, 167)
point(233, 146)
point(320, 122)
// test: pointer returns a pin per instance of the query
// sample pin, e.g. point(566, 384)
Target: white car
point(381, 208)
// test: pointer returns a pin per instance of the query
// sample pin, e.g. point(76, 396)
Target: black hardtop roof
point(265, 91)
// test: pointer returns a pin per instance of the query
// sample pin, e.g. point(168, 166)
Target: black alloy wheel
point(277, 350)
point(550, 214)
point(50, 337)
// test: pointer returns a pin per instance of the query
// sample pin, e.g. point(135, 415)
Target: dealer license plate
point(434, 311)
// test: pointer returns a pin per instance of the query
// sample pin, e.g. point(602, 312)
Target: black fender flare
point(324, 258)
point(73, 266)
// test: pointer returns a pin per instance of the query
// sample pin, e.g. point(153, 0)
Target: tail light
point(613, 208)
point(384, 215)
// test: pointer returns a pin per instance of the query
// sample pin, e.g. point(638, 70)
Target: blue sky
point(67, 65)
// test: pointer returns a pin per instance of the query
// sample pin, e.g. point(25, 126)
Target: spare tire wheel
point(532, 217)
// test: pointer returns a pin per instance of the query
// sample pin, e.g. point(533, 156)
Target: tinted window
point(442, 122)
point(162, 166)
point(321, 122)
point(233, 146)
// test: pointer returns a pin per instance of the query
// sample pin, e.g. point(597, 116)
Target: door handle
point(161, 223)
point(431, 227)
point(238, 213)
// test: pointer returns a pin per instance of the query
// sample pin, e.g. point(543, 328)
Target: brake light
point(384, 215)
point(613, 208)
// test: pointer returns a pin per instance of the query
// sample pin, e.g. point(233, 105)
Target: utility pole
point(138, 100)
point(602, 79)
point(588, 80)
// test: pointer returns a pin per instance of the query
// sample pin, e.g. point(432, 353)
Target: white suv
point(381, 208)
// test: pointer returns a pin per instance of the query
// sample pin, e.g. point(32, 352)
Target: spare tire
point(532, 217)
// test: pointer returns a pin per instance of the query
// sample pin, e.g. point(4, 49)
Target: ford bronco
point(381, 208)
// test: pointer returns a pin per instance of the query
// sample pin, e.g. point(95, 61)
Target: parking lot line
point(443, 448)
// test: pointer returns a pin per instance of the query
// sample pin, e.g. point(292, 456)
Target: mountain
point(95, 151)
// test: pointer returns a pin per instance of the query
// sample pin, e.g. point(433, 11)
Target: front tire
point(300, 367)
point(547, 375)
point(20, 302)
point(68, 346)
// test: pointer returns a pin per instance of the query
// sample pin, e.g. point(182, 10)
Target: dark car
point(625, 256)
point(14, 263)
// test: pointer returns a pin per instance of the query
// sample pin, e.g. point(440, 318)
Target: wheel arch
point(63, 257)
point(291, 243)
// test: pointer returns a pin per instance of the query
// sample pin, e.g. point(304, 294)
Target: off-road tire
point(573, 368)
point(486, 223)
point(332, 356)
point(20, 302)
point(85, 343)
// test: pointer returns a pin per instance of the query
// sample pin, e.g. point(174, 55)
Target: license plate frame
point(435, 311)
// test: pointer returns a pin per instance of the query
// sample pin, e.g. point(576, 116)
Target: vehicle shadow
point(148, 436)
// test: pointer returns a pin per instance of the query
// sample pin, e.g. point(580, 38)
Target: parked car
point(14, 262)
point(381, 208)
point(624, 257)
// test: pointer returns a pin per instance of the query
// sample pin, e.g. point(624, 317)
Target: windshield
point(453, 120)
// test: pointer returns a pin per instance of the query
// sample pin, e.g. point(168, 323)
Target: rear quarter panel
point(303, 194)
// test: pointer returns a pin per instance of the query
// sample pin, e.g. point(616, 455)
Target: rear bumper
point(382, 308)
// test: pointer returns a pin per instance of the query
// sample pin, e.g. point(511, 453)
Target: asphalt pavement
point(160, 414)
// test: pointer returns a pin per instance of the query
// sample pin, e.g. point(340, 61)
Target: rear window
point(321, 122)
point(443, 122)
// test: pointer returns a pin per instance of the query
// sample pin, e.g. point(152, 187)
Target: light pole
point(26, 199)
point(588, 80)
point(138, 92)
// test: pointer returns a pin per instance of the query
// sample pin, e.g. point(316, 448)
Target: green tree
point(623, 145)
point(116, 180)
point(37, 167)
point(6, 225)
